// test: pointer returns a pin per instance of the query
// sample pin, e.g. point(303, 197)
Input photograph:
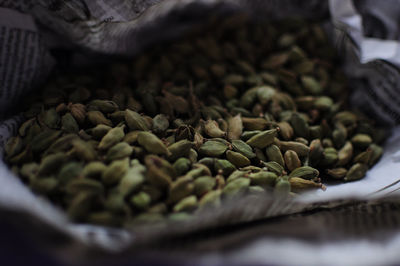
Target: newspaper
point(365, 33)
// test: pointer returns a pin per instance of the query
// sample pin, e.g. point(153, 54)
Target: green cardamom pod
point(112, 137)
point(235, 127)
point(356, 172)
point(274, 154)
point(224, 167)
point(119, 151)
point(262, 139)
point(237, 159)
point(179, 149)
point(187, 204)
point(152, 143)
point(236, 188)
point(115, 171)
point(337, 173)
point(213, 148)
point(97, 117)
point(305, 172)
point(263, 179)
point(292, 160)
point(135, 121)
point(69, 124)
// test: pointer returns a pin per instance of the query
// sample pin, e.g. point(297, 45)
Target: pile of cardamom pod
point(236, 108)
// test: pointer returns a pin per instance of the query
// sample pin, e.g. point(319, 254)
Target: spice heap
point(238, 109)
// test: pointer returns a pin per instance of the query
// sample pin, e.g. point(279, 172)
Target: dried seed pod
point(236, 188)
point(213, 148)
point(83, 150)
point(69, 171)
point(179, 149)
point(160, 208)
point(274, 154)
point(68, 124)
point(292, 160)
point(305, 172)
point(187, 204)
point(265, 94)
point(182, 165)
point(275, 168)
point(258, 123)
point(117, 117)
point(327, 143)
point(103, 106)
point(339, 135)
point(13, 146)
point(235, 127)
point(337, 173)
point(243, 148)
point(305, 102)
point(97, 117)
point(159, 171)
point(51, 163)
point(46, 185)
point(193, 156)
point(93, 169)
point(44, 139)
point(203, 185)
point(135, 121)
point(282, 187)
point(29, 170)
point(236, 174)
point(263, 179)
point(141, 200)
point(323, 103)
point(112, 137)
point(152, 143)
point(300, 125)
point(85, 185)
point(260, 154)
point(299, 148)
point(237, 159)
point(211, 199)
point(99, 131)
point(224, 166)
point(363, 157)
point(298, 184)
point(361, 141)
point(50, 118)
point(356, 172)
point(119, 151)
point(285, 130)
point(133, 178)
point(62, 144)
point(160, 124)
point(262, 139)
point(25, 126)
point(80, 205)
point(330, 157)
point(212, 129)
point(346, 118)
point(180, 188)
point(115, 171)
point(377, 152)
point(316, 152)
point(311, 85)
point(316, 132)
